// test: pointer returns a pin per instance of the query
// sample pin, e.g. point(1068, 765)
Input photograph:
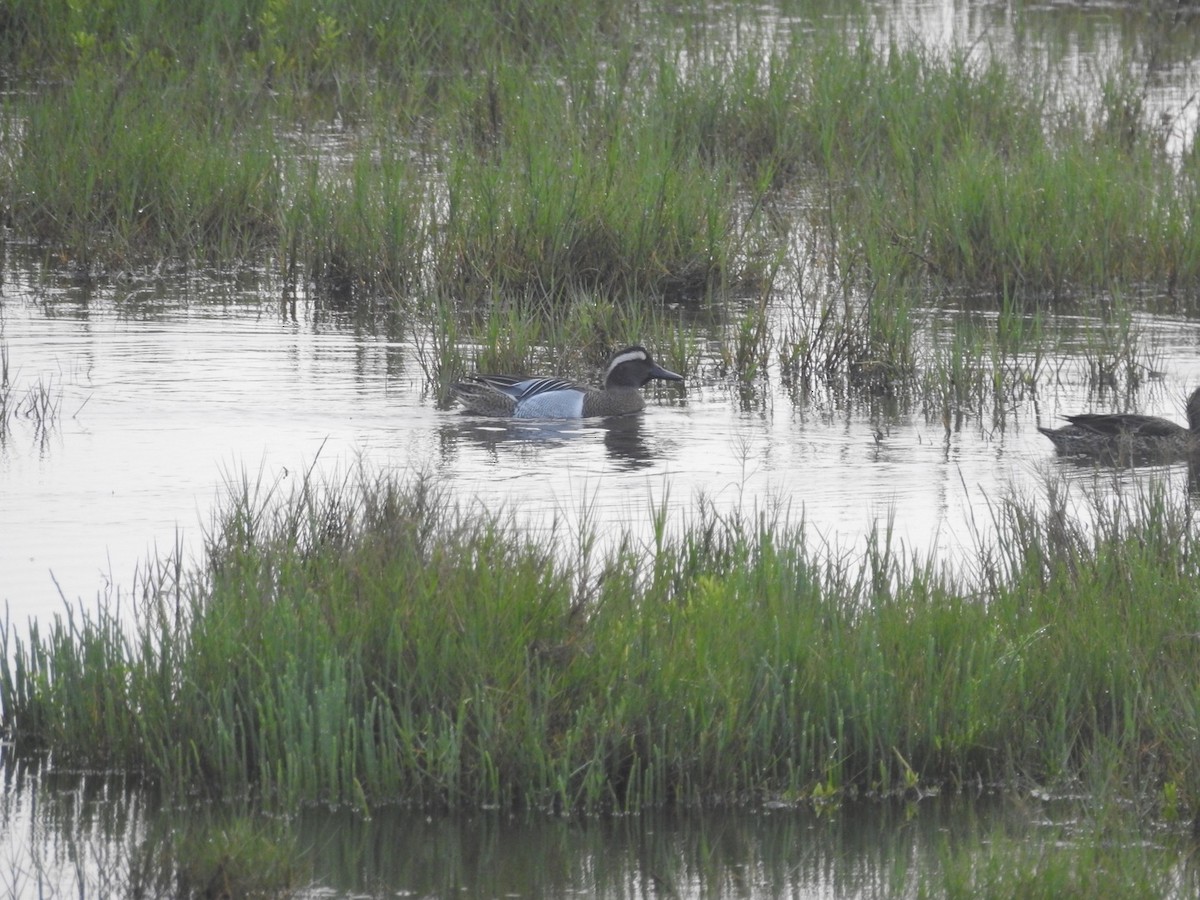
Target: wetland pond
point(168, 391)
point(170, 394)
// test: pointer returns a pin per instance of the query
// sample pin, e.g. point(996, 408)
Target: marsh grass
point(947, 168)
point(299, 45)
point(37, 407)
point(371, 642)
point(987, 363)
point(855, 340)
point(490, 157)
point(606, 200)
point(953, 359)
point(111, 164)
point(118, 166)
point(356, 229)
point(1115, 351)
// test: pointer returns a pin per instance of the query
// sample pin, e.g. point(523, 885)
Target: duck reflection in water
point(624, 437)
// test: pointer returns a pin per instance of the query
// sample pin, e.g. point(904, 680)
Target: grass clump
point(948, 168)
point(600, 149)
point(375, 643)
point(107, 166)
point(355, 229)
point(554, 209)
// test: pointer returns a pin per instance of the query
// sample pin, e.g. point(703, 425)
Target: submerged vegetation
point(35, 405)
point(373, 643)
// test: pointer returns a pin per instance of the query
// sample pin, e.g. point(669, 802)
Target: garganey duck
point(532, 397)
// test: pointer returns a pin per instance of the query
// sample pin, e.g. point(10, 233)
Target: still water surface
point(92, 836)
point(170, 393)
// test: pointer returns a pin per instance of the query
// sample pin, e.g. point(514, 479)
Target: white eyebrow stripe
point(628, 356)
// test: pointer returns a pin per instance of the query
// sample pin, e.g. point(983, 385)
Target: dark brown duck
point(1129, 434)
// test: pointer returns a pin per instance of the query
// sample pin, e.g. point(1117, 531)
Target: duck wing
point(522, 387)
point(1116, 424)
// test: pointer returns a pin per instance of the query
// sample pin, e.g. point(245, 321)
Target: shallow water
point(87, 835)
point(170, 392)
